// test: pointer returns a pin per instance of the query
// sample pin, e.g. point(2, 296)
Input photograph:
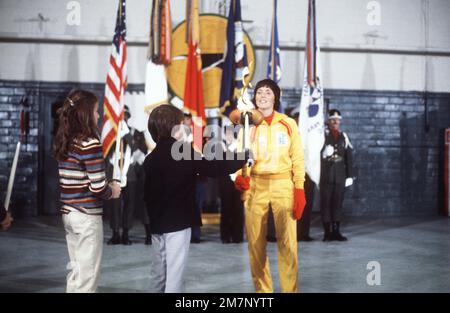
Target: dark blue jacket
point(170, 185)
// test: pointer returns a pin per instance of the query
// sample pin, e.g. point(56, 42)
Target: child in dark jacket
point(170, 195)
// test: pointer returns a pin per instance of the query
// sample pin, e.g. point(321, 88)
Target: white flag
point(155, 86)
point(311, 122)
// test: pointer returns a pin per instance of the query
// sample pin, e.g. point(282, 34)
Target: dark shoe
point(327, 232)
point(125, 239)
point(306, 238)
point(115, 239)
point(336, 234)
point(226, 241)
point(195, 240)
point(148, 234)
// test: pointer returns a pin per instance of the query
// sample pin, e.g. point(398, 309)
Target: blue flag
point(274, 66)
point(235, 60)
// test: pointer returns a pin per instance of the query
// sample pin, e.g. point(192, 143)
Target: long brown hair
point(76, 122)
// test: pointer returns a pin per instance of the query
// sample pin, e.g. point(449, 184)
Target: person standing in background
point(121, 210)
point(304, 224)
point(232, 207)
point(200, 187)
point(336, 174)
point(136, 179)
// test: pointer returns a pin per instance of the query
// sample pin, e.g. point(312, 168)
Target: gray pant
point(170, 252)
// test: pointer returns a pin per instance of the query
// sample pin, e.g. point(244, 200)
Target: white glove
point(138, 156)
point(124, 130)
point(328, 151)
point(123, 181)
point(233, 146)
point(348, 182)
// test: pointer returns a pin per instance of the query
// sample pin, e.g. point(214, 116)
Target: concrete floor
point(414, 254)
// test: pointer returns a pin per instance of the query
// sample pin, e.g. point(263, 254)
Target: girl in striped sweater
point(83, 188)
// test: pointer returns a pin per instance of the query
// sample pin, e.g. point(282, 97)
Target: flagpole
point(272, 72)
point(116, 169)
point(12, 175)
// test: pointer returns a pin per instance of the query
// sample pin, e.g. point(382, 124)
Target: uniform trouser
point(331, 199)
point(304, 223)
point(84, 235)
point(231, 213)
point(170, 252)
point(199, 198)
point(279, 194)
point(122, 209)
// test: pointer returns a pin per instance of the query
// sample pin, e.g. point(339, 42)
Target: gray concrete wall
point(356, 55)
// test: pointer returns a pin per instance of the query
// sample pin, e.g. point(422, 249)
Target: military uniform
point(336, 169)
point(232, 207)
point(122, 210)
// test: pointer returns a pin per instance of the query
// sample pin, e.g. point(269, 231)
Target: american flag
point(116, 82)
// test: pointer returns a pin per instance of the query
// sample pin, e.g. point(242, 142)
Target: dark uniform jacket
point(136, 142)
point(2, 213)
point(337, 167)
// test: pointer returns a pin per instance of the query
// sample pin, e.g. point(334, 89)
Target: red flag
point(193, 88)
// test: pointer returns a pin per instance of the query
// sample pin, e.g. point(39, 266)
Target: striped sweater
point(82, 179)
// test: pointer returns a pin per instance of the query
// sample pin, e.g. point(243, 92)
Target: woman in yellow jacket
point(276, 180)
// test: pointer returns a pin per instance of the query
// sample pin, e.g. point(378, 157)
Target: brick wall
point(25, 185)
point(398, 158)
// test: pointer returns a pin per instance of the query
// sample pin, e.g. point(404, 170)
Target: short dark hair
point(334, 112)
point(162, 120)
point(273, 86)
point(126, 111)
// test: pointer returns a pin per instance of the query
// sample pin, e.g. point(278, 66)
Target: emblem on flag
point(311, 121)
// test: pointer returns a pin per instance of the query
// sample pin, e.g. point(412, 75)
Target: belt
point(335, 160)
point(285, 175)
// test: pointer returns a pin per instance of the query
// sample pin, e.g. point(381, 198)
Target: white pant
point(170, 252)
point(84, 235)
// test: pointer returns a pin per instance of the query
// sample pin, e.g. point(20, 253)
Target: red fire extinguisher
point(24, 119)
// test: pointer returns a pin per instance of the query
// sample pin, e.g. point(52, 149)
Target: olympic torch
point(246, 114)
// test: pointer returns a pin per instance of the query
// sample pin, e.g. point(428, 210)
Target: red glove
point(299, 203)
point(242, 183)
